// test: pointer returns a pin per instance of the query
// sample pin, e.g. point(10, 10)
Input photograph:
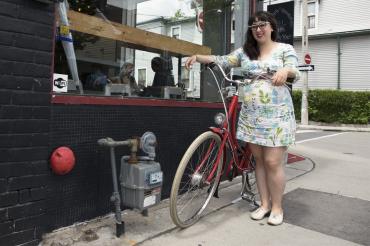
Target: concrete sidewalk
point(334, 127)
point(338, 165)
point(139, 229)
point(341, 172)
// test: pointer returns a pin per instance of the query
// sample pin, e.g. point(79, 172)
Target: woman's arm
point(198, 58)
point(290, 67)
point(227, 61)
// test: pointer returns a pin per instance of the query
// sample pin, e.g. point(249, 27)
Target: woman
point(266, 119)
point(126, 77)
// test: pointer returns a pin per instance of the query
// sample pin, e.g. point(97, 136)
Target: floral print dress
point(267, 114)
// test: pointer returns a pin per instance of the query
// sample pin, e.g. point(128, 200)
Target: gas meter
point(141, 177)
point(141, 182)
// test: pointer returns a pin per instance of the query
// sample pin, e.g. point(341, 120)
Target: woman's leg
point(261, 178)
point(273, 163)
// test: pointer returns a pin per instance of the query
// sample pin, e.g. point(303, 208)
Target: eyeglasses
point(261, 25)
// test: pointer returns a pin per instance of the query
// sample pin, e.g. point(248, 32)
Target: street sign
point(306, 67)
point(307, 59)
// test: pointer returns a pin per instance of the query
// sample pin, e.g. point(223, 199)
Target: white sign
point(306, 68)
point(60, 82)
point(149, 200)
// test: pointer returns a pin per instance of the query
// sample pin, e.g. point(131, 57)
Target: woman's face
point(261, 31)
point(128, 69)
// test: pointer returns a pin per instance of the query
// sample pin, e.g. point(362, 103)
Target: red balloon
point(62, 160)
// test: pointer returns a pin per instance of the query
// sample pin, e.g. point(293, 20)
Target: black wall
point(33, 200)
point(26, 41)
point(85, 192)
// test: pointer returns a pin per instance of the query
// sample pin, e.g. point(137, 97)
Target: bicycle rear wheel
point(191, 192)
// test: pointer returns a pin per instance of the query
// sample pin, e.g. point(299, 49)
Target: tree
point(178, 15)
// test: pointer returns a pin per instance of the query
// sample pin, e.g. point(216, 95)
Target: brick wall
point(26, 32)
point(32, 199)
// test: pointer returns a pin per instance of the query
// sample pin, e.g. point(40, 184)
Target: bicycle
point(206, 160)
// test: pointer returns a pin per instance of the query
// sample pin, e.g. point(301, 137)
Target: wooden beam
point(134, 37)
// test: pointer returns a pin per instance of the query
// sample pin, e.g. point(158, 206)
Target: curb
point(334, 128)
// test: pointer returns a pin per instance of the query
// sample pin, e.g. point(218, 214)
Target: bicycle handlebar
point(267, 75)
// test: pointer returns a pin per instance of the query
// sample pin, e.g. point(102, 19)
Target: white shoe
point(259, 213)
point(275, 219)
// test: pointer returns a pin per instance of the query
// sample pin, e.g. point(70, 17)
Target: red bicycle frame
point(240, 155)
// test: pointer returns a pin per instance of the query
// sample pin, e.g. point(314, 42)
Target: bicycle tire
point(187, 182)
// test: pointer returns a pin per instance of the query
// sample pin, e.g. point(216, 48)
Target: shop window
point(111, 48)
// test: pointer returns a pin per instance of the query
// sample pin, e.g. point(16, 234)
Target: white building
point(182, 28)
point(339, 44)
point(338, 41)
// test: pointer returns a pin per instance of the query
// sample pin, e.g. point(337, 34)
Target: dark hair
point(250, 46)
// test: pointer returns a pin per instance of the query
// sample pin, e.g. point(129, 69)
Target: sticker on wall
point(60, 82)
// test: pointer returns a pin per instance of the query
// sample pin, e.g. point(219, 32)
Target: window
point(141, 77)
point(115, 43)
point(312, 14)
point(175, 32)
point(185, 76)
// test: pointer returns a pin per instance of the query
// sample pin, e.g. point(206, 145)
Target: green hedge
point(335, 106)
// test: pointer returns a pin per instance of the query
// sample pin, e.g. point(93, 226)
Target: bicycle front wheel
point(194, 184)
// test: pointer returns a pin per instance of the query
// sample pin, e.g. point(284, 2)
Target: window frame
point(315, 14)
point(135, 38)
point(175, 27)
point(146, 75)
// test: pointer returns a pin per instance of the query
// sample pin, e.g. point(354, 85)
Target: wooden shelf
point(133, 37)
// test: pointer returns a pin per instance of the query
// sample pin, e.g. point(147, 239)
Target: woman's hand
point(280, 77)
point(203, 59)
point(190, 61)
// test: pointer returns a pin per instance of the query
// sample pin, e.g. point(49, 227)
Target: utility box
point(141, 183)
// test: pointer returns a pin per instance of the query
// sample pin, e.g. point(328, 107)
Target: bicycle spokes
point(196, 180)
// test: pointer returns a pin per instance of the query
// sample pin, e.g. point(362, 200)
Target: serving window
point(128, 48)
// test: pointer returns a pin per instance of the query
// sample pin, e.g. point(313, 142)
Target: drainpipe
point(252, 8)
point(339, 59)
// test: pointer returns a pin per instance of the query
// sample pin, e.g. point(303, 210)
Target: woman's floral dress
point(267, 114)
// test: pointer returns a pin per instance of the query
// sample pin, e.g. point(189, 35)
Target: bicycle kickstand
point(246, 194)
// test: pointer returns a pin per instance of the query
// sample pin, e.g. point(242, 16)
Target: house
point(183, 28)
point(338, 41)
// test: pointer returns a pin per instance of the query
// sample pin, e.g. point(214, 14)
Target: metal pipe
point(339, 61)
point(132, 143)
point(120, 225)
point(304, 77)
point(115, 198)
point(179, 65)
